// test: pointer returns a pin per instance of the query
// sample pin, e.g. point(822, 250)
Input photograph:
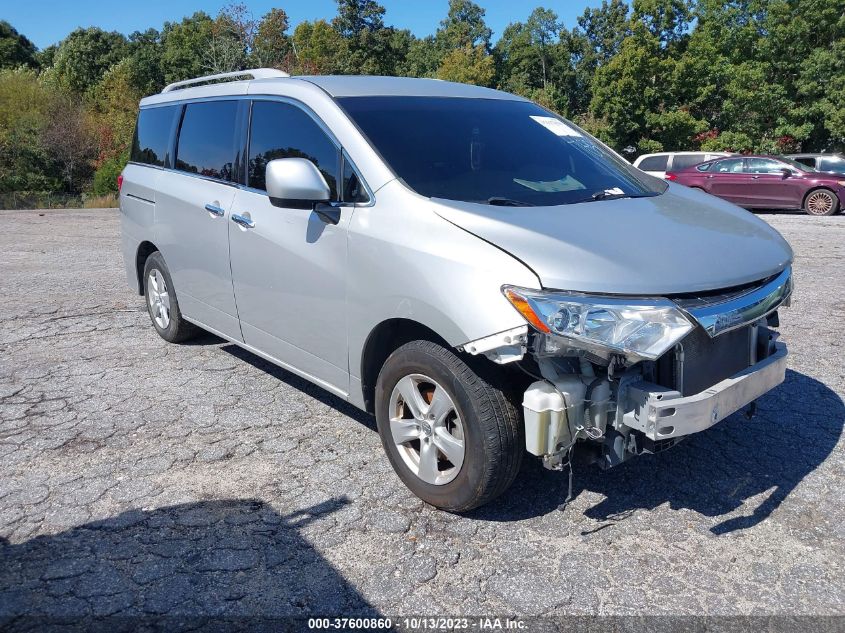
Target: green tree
point(144, 63)
point(543, 27)
point(184, 45)
point(357, 16)
point(593, 42)
point(630, 86)
point(464, 26)
point(516, 60)
point(15, 49)
point(674, 129)
point(423, 58)
point(469, 65)
point(45, 57)
point(667, 20)
point(604, 29)
point(85, 55)
point(271, 46)
point(25, 162)
point(317, 47)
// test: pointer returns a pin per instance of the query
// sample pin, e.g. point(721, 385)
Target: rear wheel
point(821, 202)
point(451, 434)
point(162, 304)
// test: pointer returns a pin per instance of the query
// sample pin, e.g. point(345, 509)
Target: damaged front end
point(634, 375)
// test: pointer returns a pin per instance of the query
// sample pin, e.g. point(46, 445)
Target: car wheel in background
point(821, 202)
point(452, 435)
point(162, 304)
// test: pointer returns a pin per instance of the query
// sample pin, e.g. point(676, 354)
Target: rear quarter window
point(833, 164)
point(654, 163)
point(152, 135)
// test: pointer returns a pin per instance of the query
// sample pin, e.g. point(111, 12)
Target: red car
point(766, 182)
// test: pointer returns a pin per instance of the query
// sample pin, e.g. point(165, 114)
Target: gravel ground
point(139, 477)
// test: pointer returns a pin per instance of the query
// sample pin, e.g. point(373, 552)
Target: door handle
point(214, 209)
point(755, 177)
point(242, 221)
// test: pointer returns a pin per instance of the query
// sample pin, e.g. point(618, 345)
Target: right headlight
point(645, 329)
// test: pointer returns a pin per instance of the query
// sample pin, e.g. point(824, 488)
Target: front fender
point(406, 262)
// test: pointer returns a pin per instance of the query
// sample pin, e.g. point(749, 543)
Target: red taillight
point(671, 176)
point(119, 182)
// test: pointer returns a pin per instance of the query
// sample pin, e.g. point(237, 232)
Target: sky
point(47, 22)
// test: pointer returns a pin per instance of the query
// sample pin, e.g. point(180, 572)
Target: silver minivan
point(480, 274)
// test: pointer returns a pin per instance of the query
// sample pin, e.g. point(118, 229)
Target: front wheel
point(821, 202)
point(451, 434)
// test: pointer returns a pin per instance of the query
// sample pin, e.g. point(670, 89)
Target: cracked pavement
point(140, 477)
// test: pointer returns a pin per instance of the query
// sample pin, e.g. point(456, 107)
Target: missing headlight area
point(618, 409)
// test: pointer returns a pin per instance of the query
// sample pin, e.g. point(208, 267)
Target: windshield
point(493, 151)
point(796, 164)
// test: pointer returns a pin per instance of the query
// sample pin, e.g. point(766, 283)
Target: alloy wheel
point(427, 429)
point(158, 298)
point(819, 203)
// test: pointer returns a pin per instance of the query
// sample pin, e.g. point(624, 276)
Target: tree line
point(740, 75)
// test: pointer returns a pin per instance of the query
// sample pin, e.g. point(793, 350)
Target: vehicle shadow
point(174, 568)
point(300, 384)
point(795, 429)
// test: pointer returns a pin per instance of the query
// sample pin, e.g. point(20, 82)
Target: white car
point(658, 164)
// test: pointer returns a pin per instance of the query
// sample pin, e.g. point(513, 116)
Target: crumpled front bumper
point(663, 414)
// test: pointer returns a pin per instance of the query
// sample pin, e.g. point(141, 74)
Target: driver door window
point(764, 166)
point(282, 130)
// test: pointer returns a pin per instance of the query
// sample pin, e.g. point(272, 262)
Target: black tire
point(178, 329)
point(821, 202)
point(493, 434)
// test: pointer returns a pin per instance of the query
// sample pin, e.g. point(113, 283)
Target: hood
point(678, 242)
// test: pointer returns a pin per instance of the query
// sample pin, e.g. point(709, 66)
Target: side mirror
point(297, 180)
point(786, 172)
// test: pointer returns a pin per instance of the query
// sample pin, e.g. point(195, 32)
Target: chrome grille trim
point(717, 318)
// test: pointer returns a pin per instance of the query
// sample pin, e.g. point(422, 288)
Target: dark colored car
point(833, 163)
point(767, 182)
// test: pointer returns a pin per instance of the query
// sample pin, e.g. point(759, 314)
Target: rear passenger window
point(282, 130)
point(682, 161)
point(729, 166)
point(207, 139)
point(152, 135)
point(654, 163)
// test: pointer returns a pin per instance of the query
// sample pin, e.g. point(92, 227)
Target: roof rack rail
point(253, 73)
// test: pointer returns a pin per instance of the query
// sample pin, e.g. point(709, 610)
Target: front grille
point(692, 300)
point(706, 361)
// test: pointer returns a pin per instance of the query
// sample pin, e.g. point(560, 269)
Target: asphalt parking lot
point(139, 477)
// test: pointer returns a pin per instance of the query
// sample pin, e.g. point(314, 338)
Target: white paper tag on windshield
point(555, 126)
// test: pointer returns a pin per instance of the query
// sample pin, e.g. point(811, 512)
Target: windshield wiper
point(508, 202)
point(613, 195)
